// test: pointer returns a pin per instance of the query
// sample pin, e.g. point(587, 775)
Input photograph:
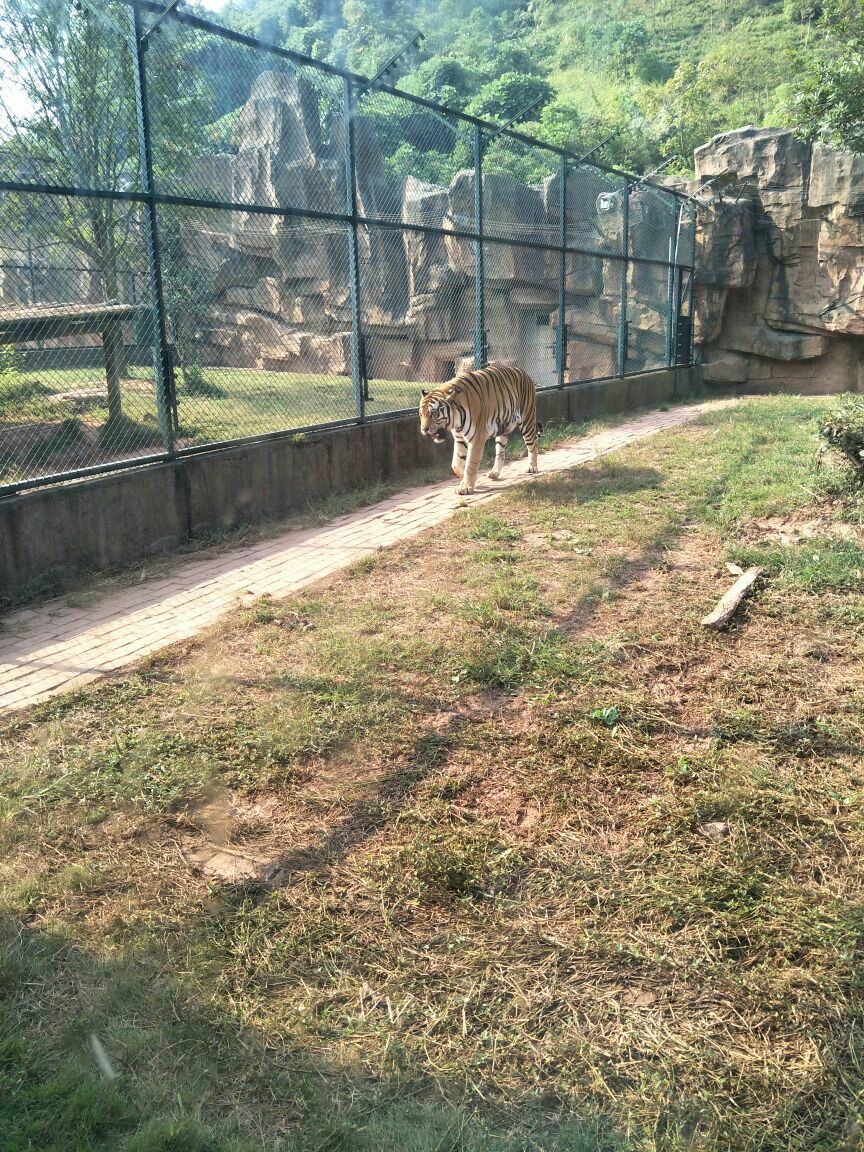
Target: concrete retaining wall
point(51, 537)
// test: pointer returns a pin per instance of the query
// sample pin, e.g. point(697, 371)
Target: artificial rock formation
point(280, 285)
point(780, 275)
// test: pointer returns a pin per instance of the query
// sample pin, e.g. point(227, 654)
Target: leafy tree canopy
point(828, 99)
point(667, 77)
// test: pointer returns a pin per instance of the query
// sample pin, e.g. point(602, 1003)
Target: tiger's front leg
point(500, 450)
point(472, 467)
point(460, 451)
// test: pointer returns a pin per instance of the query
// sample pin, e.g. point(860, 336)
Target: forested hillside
point(668, 74)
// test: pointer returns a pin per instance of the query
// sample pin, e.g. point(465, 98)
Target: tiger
point(478, 404)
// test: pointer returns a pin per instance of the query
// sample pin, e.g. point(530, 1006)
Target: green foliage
point(188, 298)
point(606, 716)
point(13, 387)
point(504, 97)
point(440, 865)
point(843, 429)
point(436, 167)
point(53, 1108)
point(443, 79)
point(665, 79)
point(828, 99)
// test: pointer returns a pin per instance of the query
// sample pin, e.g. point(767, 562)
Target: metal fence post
point(670, 299)
point(358, 351)
point(673, 289)
point(479, 303)
point(562, 269)
point(622, 323)
point(163, 366)
point(693, 209)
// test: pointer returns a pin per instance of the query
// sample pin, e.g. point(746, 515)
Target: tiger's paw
point(464, 490)
point(494, 475)
point(532, 471)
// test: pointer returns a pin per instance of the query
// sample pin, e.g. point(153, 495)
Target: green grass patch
point(534, 860)
point(817, 565)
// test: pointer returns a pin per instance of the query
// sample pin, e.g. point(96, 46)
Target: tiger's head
point(436, 411)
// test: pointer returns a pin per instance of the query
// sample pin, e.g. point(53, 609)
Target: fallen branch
point(725, 610)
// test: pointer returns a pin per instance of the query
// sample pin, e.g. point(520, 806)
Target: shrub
point(195, 383)
point(843, 430)
point(12, 386)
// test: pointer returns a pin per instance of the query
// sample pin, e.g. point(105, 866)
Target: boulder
point(589, 359)
point(836, 178)
point(770, 158)
point(710, 303)
point(240, 270)
point(780, 275)
point(429, 268)
point(281, 117)
point(584, 186)
point(726, 244)
point(503, 200)
point(245, 339)
point(263, 297)
point(760, 340)
point(597, 323)
point(725, 368)
point(309, 352)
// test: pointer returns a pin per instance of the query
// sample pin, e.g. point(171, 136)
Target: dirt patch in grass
point(800, 526)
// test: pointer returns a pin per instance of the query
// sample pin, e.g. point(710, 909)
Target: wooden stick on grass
point(725, 610)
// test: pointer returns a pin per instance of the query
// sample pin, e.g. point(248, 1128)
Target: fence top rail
point(194, 21)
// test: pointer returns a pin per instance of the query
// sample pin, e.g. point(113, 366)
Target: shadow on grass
point(369, 811)
point(172, 1070)
point(584, 485)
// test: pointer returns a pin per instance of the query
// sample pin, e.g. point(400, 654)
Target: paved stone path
point(55, 647)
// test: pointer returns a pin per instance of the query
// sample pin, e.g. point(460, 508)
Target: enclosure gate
point(276, 246)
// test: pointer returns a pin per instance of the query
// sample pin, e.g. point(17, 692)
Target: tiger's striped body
point(475, 405)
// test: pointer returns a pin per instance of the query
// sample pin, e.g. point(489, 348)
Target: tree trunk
point(107, 259)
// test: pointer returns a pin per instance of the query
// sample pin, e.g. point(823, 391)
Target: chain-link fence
point(204, 239)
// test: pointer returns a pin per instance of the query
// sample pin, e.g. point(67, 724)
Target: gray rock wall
point(280, 286)
point(780, 274)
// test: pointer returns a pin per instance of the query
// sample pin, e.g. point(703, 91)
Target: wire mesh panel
point(685, 240)
point(519, 191)
point(246, 126)
point(594, 220)
point(204, 238)
point(520, 302)
point(592, 319)
point(652, 223)
point(68, 109)
point(406, 157)
point(655, 220)
point(258, 320)
point(417, 312)
point(649, 304)
point(683, 349)
point(76, 336)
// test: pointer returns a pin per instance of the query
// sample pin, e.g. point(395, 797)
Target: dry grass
point(486, 845)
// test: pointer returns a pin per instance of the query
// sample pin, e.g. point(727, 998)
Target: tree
point(707, 96)
point(509, 94)
point(443, 79)
point(68, 112)
point(828, 99)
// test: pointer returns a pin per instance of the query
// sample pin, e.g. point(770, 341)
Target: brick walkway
point(52, 648)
